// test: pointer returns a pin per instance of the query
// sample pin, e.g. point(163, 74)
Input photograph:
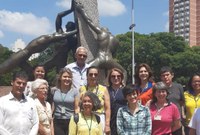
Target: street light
point(132, 28)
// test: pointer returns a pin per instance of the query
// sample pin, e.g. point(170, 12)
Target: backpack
point(76, 118)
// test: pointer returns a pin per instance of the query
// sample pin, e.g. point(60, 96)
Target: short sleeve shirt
point(79, 76)
point(167, 115)
point(64, 103)
point(195, 121)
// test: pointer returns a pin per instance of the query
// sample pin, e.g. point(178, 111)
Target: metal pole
point(133, 58)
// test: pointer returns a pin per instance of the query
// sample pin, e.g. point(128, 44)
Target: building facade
point(184, 20)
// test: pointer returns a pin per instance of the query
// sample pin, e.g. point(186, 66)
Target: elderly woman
point(164, 114)
point(86, 122)
point(133, 119)
point(103, 95)
point(192, 98)
point(115, 80)
point(65, 101)
point(40, 89)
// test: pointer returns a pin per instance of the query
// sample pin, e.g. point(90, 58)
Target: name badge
point(157, 117)
point(62, 110)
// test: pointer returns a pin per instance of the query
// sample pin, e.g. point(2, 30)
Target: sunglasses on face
point(82, 55)
point(116, 76)
point(93, 74)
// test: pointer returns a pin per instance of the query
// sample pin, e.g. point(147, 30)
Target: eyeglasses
point(116, 76)
point(43, 88)
point(82, 55)
point(93, 74)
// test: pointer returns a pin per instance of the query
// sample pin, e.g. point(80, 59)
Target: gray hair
point(37, 83)
point(159, 86)
point(95, 100)
point(81, 48)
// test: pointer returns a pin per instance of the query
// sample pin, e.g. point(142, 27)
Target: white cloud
point(167, 26)
point(1, 34)
point(111, 7)
point(18, 45)
point(106, 7)
point(64, 4)
point(24, 23)
point(166, 13)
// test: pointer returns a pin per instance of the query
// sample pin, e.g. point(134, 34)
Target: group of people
point(79, 105)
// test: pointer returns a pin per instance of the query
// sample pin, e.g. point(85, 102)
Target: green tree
point(5, 79)
point(157, 50)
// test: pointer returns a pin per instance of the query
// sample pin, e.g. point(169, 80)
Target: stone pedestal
point(87, 37)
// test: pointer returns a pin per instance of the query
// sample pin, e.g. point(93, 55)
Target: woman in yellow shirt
point(192, 98)
point(86, 122)
point(102, 93)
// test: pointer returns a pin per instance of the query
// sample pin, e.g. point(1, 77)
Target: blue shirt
point(134, 124)
point(79, 76)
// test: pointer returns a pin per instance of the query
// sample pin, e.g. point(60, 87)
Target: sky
point(24, 20)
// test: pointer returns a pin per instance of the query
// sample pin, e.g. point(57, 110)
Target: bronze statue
point(64, 42)
point(37, 45)
point(61, 51)
point(107, 44)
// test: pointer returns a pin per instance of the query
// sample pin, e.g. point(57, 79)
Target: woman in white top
point(40, 89)
point(38, 72)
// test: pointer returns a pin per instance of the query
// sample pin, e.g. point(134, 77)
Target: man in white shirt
point(79, 68)
point(18, 114)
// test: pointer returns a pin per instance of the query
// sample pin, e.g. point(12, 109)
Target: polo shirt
point(168, 114)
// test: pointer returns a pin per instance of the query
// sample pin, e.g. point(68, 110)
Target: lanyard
point(158, 109)
point(63, 97)
point(89, 126)
point(81, 74)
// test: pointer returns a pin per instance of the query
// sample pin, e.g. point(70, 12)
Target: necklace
point(89, 126)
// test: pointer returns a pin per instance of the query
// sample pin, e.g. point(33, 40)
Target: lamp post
point(132, 28)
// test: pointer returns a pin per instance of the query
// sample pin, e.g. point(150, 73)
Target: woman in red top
point(164, 114)
point(144, 82)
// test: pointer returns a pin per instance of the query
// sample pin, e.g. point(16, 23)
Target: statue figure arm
point(59, 18)
point(37, 45)
point(41, 43)
point(87, 19)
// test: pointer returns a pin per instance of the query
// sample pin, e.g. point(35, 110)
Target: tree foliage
point(157, 50)
point(4, 54)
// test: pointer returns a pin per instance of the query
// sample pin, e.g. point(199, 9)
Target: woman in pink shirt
point(164, 114)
